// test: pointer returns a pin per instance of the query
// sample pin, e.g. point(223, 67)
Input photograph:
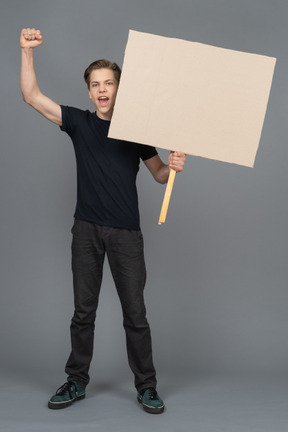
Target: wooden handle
point(167, 196)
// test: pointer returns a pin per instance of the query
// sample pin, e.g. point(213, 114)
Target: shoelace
point(67, 387)
point(152, 393)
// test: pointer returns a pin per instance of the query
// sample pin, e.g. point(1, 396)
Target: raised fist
point(30, 38)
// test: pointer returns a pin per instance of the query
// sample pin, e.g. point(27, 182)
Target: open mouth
point(103, 100)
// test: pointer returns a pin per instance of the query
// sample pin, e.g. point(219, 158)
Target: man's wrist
point(27, 50)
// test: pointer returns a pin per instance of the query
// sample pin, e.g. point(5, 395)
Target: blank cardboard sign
point(191, 97)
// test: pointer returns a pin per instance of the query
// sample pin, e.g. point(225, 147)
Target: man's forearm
point(162, 174)
point(29, 85)
point(160, 170)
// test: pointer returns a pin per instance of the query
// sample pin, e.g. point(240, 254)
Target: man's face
point(102, 92)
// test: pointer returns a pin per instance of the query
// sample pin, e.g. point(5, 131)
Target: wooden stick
point(167, 196)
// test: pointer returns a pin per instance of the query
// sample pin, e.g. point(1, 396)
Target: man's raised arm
point(30, 39)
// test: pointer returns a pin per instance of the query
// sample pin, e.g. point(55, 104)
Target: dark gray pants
point(124, 249)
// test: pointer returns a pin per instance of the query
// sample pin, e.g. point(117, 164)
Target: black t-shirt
point(106, 171)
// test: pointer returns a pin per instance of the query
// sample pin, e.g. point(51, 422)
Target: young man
point(106, 223)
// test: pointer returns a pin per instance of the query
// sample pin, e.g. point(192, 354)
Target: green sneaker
point(150, 401)
point(66, 395)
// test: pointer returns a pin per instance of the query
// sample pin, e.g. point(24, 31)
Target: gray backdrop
point(217, 269)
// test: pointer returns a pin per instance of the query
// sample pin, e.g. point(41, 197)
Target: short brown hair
point(102, 64)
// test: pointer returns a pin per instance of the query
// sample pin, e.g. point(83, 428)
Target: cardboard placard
point(191, 97)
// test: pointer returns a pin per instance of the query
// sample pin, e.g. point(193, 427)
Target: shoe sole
point(151, 410)
point(60, 405)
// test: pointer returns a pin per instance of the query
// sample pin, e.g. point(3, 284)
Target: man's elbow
point(32, 100)
point(161, 177)
point(27, 98)
point(162, 180)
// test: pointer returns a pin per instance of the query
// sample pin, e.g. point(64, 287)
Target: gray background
point(217, 269)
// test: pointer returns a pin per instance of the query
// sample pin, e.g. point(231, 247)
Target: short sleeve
point(65, 119)
point(70, 118)
point(147, 152)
